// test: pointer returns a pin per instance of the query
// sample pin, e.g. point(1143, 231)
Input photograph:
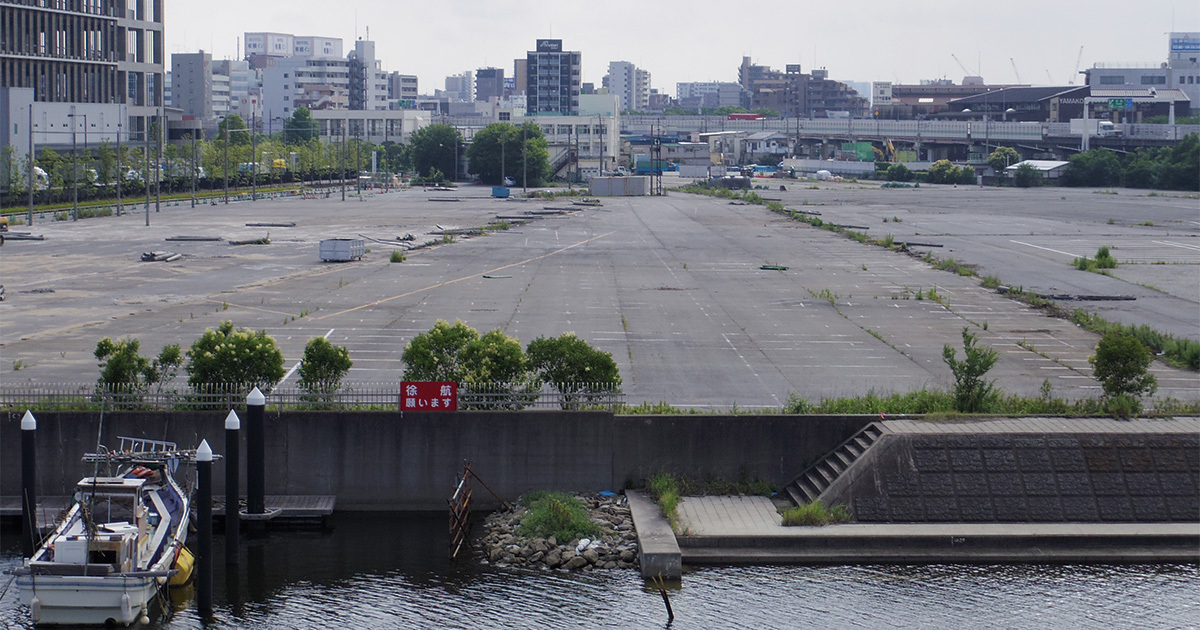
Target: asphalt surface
point(671, 286)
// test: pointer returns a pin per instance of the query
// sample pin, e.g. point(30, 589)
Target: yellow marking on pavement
point(474, 275)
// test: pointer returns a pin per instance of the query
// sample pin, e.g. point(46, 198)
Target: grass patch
point(664, 489)
point(397, 256)
point(1182, 353)
point(815, 514)
point(990, 282)
point(556, 514)
point(1103, 260)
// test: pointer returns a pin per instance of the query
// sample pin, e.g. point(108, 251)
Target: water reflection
point(391, 571)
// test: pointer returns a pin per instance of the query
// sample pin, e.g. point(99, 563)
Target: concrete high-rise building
point(192, 85)
point(403, 90)
point(553, 78)
point(99, 52)
point(263, 50)
point(461, 87)
point(368, 82)
point(244, 86)
point(489, 82)
point(631, 85)
point(519, 76)
point(709, 94)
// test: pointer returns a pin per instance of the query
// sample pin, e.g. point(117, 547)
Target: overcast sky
point(704, 40)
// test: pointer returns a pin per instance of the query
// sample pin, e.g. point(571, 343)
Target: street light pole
point(253, 156)
point(74, 170)
point(120, 172)
point(225, 143)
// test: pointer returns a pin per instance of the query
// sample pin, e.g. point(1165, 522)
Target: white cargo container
point(342, 249)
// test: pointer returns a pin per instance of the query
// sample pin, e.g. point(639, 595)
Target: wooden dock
point(291, 509)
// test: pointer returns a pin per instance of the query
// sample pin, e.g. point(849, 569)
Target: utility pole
point(225, 143)
point(253, 156)
point(74, 170)
point(158, 140)
point(146, 171)
point(345, 125)
point(193, 170)
point(525, 158)
point(120, 172)
point(32, 178)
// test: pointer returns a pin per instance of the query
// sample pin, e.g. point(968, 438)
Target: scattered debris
point(23, 236)
point(450, 199)
point(37, 291)
point(195, 238)
point(160, 256)
point(407, 237)
point(907, 244)
point(773, 268)
point(290, 224)
point(1068, 297)
point(266, 240)
point(494, 277)
point(848, 227)
point(587, 202)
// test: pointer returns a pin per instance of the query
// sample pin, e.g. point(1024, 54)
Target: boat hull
point(84, 600)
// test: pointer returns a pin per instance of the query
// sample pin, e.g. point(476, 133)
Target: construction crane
point(960, 65)
point(1048, 77)
point(1075, 72)
point(1015, 71)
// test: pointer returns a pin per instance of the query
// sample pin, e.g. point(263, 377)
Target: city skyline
point(902, 44)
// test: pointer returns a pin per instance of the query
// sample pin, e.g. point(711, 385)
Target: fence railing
point(349, 396)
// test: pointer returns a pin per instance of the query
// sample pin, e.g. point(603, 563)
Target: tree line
point(294, 154)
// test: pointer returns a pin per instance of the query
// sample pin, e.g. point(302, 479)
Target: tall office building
point(552, 79)
point(461, 87)
point(630, 84)
point(94, 52)
point(489, 82)
point(192, 85)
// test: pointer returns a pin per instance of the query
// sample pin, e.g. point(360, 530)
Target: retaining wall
point(385, 461)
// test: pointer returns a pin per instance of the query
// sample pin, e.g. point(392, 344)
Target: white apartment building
point(368, 81)
point(316, 83)
point(708, 94)
point(630, 83)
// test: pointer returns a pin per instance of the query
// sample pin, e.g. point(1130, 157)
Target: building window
point(1154, 79)
point(1113, 79)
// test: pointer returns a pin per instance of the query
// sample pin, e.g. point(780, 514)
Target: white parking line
point(1056, 251)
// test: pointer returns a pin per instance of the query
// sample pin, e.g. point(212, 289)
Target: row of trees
point(222, 356)
point(448, 352)
point(940, 172)
point(1171, 168)
point(499, 150)
point(456, 352)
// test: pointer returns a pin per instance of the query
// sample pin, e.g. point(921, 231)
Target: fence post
point(255, 464)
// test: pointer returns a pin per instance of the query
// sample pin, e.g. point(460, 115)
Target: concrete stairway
point(812, 482)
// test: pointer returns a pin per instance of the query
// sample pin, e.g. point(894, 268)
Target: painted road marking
point(1056, 251)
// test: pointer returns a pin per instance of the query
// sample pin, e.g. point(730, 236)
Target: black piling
point(233, 432)
point(29, 524)
point(204, 570)
point(255, 462)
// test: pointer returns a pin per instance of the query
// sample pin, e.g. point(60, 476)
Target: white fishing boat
point(120, 542)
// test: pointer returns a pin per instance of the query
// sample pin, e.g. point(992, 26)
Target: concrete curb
point(658, 551)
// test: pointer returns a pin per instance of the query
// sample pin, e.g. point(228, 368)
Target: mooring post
point(29, 524)
point(204, 571)
point(233, 426)
point(255, 463)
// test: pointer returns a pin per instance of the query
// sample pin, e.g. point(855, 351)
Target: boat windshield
point(108, 508)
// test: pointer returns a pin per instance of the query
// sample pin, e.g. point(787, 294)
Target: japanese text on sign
point(428, 396)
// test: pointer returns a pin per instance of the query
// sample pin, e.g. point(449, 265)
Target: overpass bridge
point(937, 137)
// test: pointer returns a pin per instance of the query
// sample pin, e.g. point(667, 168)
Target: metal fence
point(350, 396)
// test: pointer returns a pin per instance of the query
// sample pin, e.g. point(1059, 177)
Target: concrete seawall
point(382, 461)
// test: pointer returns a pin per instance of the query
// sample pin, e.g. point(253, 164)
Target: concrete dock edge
point(658, 551)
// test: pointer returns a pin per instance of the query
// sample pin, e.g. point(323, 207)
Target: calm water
point(383, 571)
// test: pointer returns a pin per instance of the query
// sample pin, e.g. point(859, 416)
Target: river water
point(390, 571)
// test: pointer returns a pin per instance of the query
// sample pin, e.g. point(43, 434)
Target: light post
point(193, 170)
point(253, 156)
point(120, 172)
point(75, 165)
point(524, 158)
point(225, 160)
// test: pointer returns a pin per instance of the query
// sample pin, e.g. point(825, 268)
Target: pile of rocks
point(614, 548)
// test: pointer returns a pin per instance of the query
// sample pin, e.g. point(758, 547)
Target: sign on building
point(549, 45)
point(428, 396)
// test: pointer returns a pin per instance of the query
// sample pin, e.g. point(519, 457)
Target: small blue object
point(500, 192)
point(606, 493)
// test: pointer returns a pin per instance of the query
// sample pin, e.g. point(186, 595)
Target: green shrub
point(556, 514)
point(971, 392)
point(397, 256)
point(815, 514)
point(664, 489)
point(1121, 364)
